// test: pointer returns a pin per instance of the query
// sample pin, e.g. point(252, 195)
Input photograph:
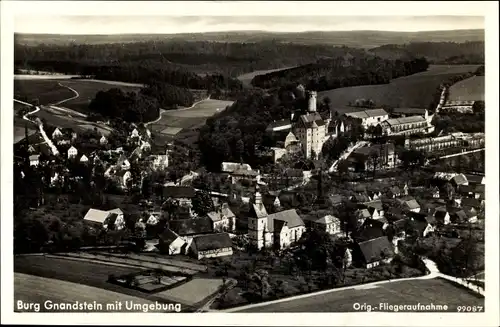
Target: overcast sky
point(194, 24)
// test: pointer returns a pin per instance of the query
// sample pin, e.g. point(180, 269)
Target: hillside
point(435, 52)
point(361, 39)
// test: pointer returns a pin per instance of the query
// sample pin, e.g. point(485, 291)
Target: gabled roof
point(279, 123)
point(278, 225)
point(461, 215)
point(375, 249)
point(117, 211)
point(363, 213)
point(460, 179)
point(405, 120)
point(34, 157)
point(168, 236)
point(474, 179)
point(328, 219)
point(212, 241)
point(96, 215)
point(470, 202)
point(377, 204)
point(178, 192)
point(289, 216)
point(367, 113)
point(336, 199)
point(310, 120)
point(226, 211)
point(192, 226)
point(412, 204)
point(479, 188)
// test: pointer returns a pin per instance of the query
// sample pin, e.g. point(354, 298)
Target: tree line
point(327, 74)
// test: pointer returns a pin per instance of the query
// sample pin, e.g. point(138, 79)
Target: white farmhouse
point(72, 152)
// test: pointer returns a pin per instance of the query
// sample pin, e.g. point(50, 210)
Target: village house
point(422, 223)
point(103, 140)
point(84, 159)
point(435, 193)
point(442, 216)
point(379, 155)
point(459, 180)
point(374, 195)
point(371, 117)
point(134, 133)
point(329, 224)
point(34, 160)
point(249, 176)
point(159, 161)
point(375, 208)
point(372, 253)
point(360, 197)
point(361, 215)
point(283, 142)
point(393, 192)
point(187, 229)
point(473, 203)
point(278, 229)
point(462, 106)
point(459, 216)
point(212, 246)
point(72, 152)
point(336, 200)
point(475, 179)
point(57, 133)
point(109, 220)
point(182, 195)
point(271, 201)
point(172, 244)
point(223, 219)
point(410, 204)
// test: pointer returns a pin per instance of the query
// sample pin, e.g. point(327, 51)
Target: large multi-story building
point(371, 117)
point(454, 140)
point(407, 125)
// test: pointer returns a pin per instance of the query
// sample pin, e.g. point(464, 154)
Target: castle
point(309, 129)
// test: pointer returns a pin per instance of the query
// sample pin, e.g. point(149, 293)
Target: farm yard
point(414, 91)
point(246, 79)
point(435, 291)
point(471, 89)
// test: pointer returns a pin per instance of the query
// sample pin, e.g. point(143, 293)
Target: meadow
point(47, 91)
point(471, 89)
point(431, 291)
point(414, 91)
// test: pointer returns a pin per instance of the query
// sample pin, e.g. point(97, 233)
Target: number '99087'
point(469, 308)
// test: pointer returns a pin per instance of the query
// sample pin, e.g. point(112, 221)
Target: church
point(277, 230)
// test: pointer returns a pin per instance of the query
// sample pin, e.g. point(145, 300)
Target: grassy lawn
point(425, 292)
point(470, 89)
point(415, 91)
point(35, 289)
point(46, 91)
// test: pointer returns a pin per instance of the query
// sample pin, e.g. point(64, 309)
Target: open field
point(19, 133)
point(35, 289)
point(415, 91)
point(194, 291)
point(436, 291)
point(246, 79)
point(79, 272)
point(172, 122)
point(471, 89)
point(47, 91)
point(87, 89)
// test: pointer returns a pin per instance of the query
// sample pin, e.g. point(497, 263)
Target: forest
point(339, 72)
point(446, 53)
point(196, 65)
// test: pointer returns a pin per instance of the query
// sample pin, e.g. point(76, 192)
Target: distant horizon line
point(253, 31)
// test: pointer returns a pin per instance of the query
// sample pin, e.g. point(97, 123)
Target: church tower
point(258, 231)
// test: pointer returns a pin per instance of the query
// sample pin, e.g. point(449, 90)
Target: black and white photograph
point(223, 157)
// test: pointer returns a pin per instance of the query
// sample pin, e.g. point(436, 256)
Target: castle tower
point(311, 106)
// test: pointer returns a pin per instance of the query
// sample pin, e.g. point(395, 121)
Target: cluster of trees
point(446, 84)
point(140, 106)
point(458, 122)
point(436, 52)
point(330, 74)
